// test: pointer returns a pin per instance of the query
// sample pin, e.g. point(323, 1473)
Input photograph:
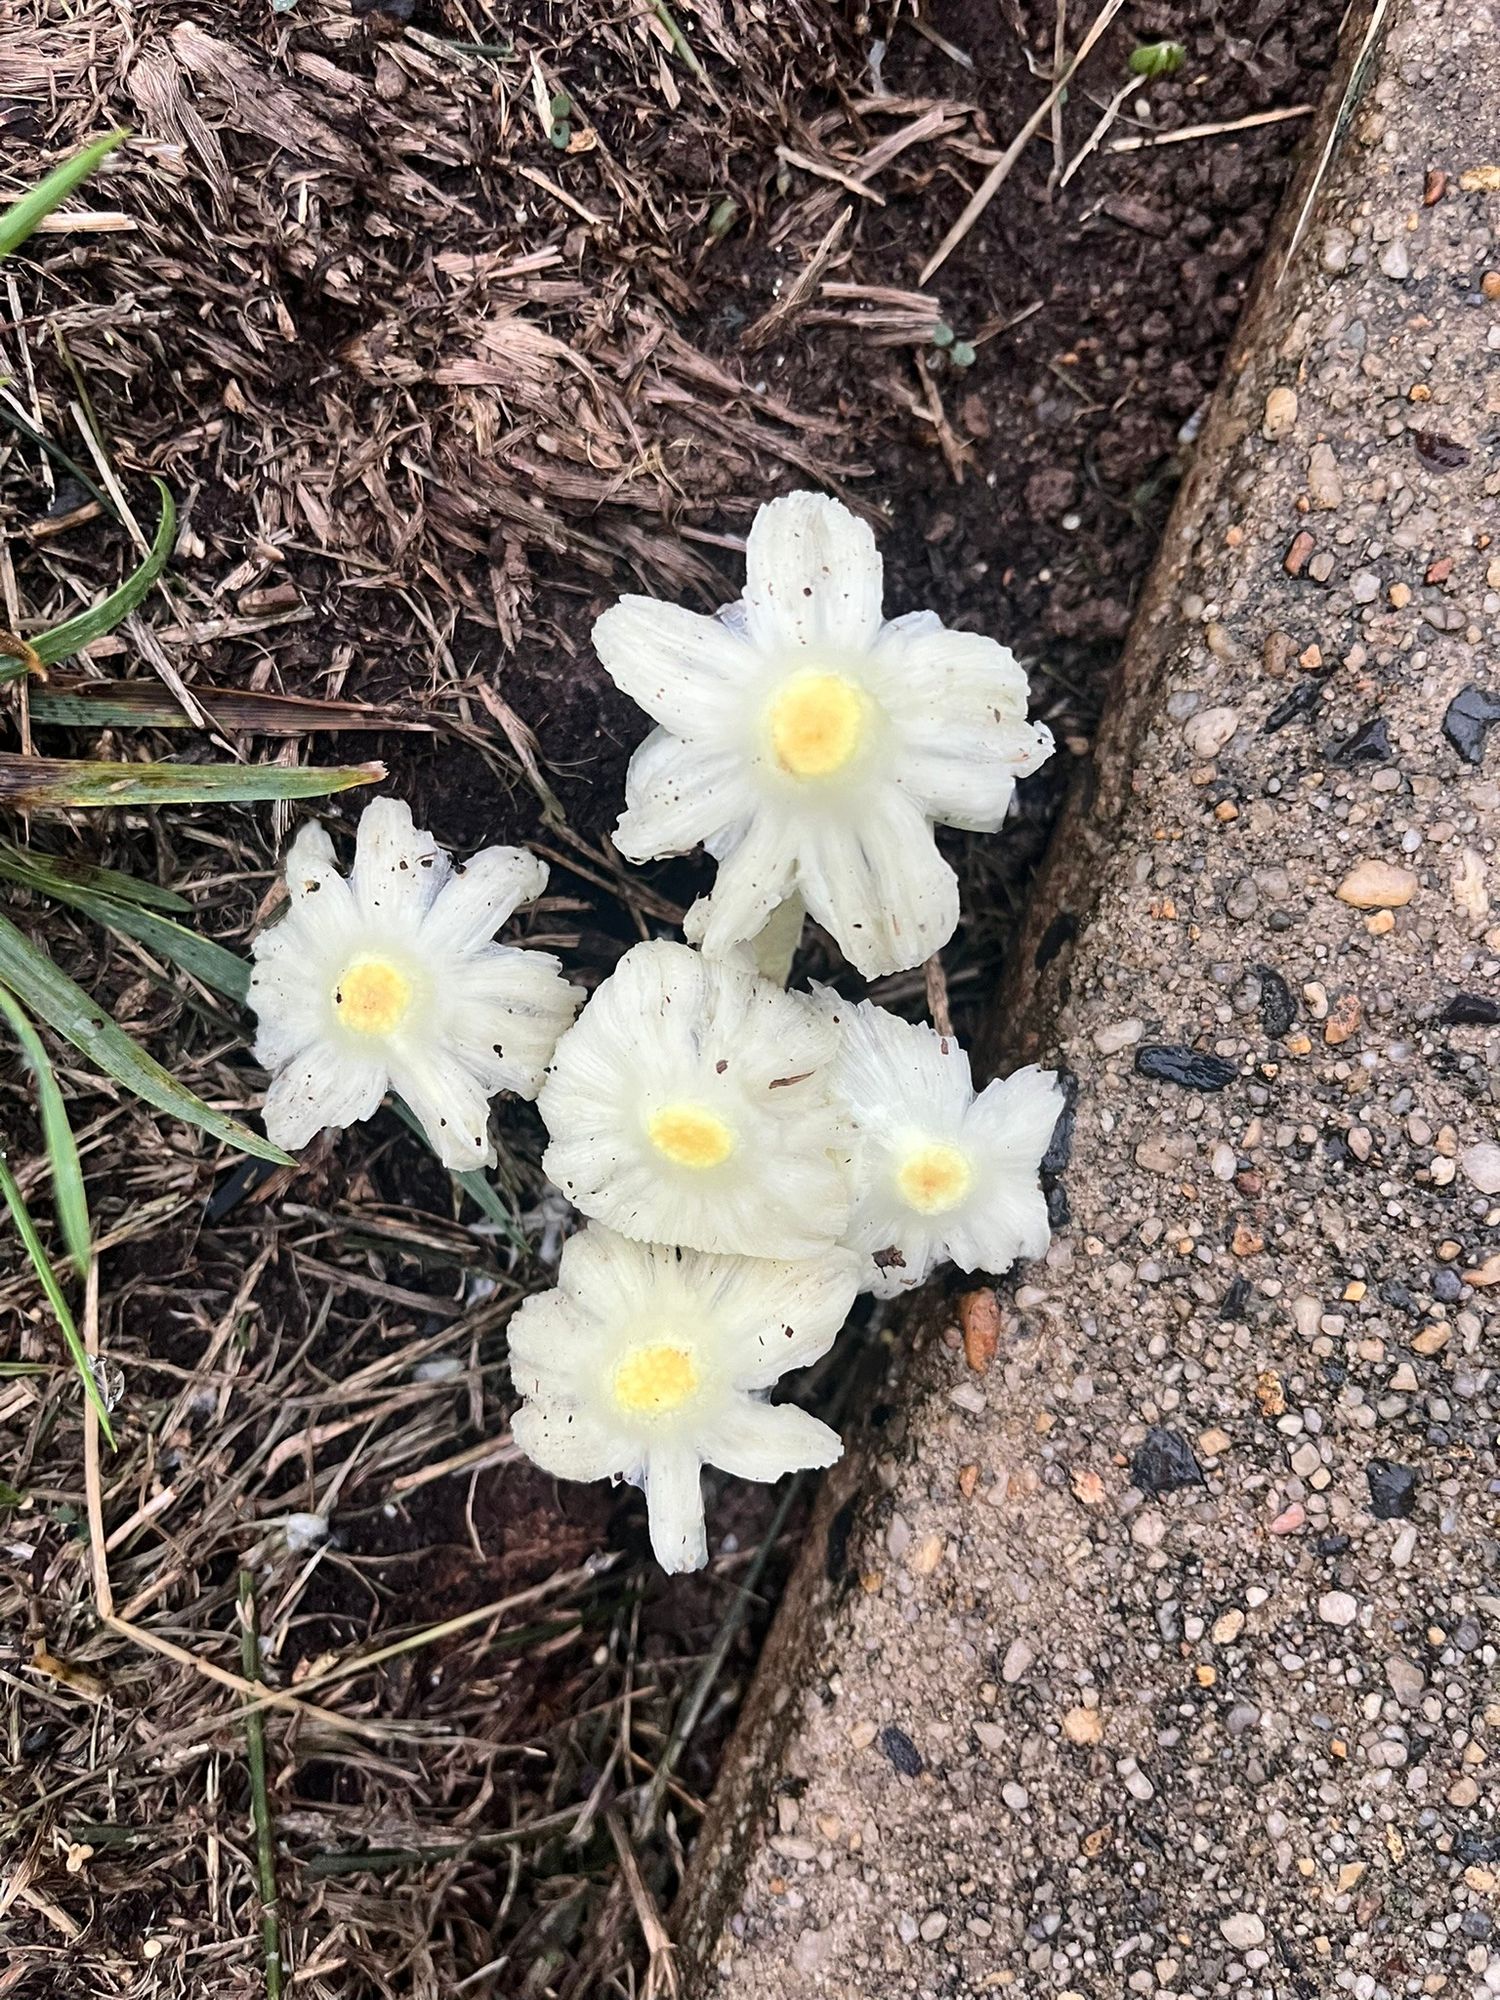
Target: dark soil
point(295, 341)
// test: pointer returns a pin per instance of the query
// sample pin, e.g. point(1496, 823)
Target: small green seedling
point(1153, 59)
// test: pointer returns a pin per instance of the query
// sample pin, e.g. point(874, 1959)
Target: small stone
point(1485, 1274)
point(1324, 487)
point(1376, 885)
point(933, 1925)
point(1270, 1394)
point(1164, 1462)
point(1481, 1165)
point(1306, 1460)
point(1246, 1242)
point(1278, 1010)
point(1343, 1019)
point(1337, 249)
point(1467, 721)
point(979, 1322)
point(1213, 1443)
point(1117, 1035)
point(1192, 1069)
point(1364, 586)
point(1206, 733)
point(1019, 1659)
point(1243, 1930)
point(902, 1752)
point(1083, 1726)
point(1394, 260)
point(1226, 1629)
point(1280, 414)
point(1290, 1519)
point(1222, 1162)
point(926, 1555)
point(1337, 1607)
point(1296, 558)
point(1393, 1489)
point(1404, 1381)
point(1243, 899)
point(1408, 1683)
point(1015, 1796)
point(1464, 1793)
point(1432, 1339)
point(1149, 1529)
point(1470, 1010)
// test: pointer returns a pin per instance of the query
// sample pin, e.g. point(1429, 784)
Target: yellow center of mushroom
point(689, 1136)
point(934, 1178)
point(654, 1381)
point(817, 724)
point(371, 996)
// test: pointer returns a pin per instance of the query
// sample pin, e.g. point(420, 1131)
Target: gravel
point(1251, 1711)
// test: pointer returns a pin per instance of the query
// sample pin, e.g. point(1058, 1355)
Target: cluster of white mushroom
point(749, 1159)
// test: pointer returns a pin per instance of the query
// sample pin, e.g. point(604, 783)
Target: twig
point(87, 222)
point(798, 292)
point(360, 1663)
point(1059, 57)
point(990, 186)
point(1354, 90)
point(539, 179)
point(827, 171)
point(1146, 142)
point(661, 1970)
point(1111, 113)
point(260, 1804)
point(93, 1486)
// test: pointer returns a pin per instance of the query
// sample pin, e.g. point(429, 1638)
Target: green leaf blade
point(54, 875)
point(40, 784)
point(57, 1134)
point(69, 1011)
point(22, 217)
point(26, 1229)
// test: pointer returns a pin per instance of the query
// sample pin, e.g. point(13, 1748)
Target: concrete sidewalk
point(1158, 1656)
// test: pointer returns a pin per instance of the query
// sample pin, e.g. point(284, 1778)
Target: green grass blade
point(474, 1183)
point(37, 784)
point(73, 703)
point(62, 1149)
point(76, 633)
point(69, 1012)
point(51, 875)
point(486, 1197)
point(26, 1230)
point(221, 970)
point(22, 217)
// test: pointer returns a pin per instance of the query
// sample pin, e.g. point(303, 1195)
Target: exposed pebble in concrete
point(1280, 416)
point(1377, 885)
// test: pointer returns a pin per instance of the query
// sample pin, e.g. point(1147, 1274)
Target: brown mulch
point(444, 324)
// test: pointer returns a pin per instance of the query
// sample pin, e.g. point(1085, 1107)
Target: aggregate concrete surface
point(1161, 1659)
